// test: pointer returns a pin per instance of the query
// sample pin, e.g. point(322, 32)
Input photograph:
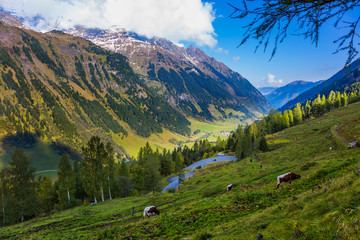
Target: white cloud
point(221, 50)
point(176, 20)
point(271, 80)
point(236, 59)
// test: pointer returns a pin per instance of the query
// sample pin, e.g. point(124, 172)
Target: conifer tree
point(179, 162)
point(23, 186)
point(109, 168)
point(79, 188)
point(92, 166)
point(286, 119)
point(297, 114)
point(123, 169)
point(263, 146)
point(167, 166)
point(47, 194)
point(66, 182)
point(238, 150)
point(4, 185)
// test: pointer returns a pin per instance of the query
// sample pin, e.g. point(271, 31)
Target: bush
point(198, 167)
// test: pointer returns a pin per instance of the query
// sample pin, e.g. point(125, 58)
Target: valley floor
point(320, 205)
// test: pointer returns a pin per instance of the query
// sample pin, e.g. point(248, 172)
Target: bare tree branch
point(272, 20)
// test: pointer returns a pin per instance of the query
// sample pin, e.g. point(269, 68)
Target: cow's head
point(297, 176)
point(157, 211)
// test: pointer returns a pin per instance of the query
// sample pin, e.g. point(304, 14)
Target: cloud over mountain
point(176, 20)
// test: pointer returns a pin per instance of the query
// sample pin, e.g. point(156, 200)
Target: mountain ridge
point(191, 71)
point(337, 82)
point(280, 96)
point(64, 87)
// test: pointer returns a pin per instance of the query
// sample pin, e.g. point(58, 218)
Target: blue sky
point(296, 58)
point(204, 23)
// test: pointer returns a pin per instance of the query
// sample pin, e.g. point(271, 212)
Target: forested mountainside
point(66, 88)
point(338, 82)
point(190, 80)
point(280, 96)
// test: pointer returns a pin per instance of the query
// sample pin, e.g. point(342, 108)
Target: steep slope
point(64, 88)
point(338, 82)
point(282, 95)
point(320, 205)
point(195, 83)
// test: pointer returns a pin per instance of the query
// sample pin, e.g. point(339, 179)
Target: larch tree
point(94, 154)
point(47, 194)
point(22, 178)
point(4, 184)
point(179, 161)
point(67, 182)
point(109, 168)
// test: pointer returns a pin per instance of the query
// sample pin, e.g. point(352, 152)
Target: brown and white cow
point(151, 210)
point(229, 187)
point(287, 177)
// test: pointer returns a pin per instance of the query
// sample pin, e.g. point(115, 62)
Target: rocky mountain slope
point(190, 80)
point(282, 95)
point(62, 87)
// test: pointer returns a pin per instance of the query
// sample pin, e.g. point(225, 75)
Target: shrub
point(198, 167)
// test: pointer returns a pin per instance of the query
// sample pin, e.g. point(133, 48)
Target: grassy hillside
point(320, 205)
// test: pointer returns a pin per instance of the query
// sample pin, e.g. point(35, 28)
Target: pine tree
point(47, 194)
point(239, 150)
point(123, 169)
point(263, 146)
point(66, 181)
point(4, 184)
point(92, 167)
point(179, 162)
point(167, 166)
point(297, 112)
point(137, 176)
point(79, 188)
point(23, 186)
point(109, 168)
point(291, 118)
point(286, 119)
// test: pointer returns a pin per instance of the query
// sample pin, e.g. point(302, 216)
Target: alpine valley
point(123, 87)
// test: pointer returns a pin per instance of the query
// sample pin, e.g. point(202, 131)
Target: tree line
point(276, 121)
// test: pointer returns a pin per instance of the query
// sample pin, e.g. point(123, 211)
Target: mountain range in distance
point(278, 97)
point(340, 82)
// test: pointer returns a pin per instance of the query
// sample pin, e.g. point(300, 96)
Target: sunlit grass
point(320, 205)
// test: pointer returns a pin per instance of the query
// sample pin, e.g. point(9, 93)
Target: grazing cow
point(229, 187)
point(287, 177)
point(150, 211)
